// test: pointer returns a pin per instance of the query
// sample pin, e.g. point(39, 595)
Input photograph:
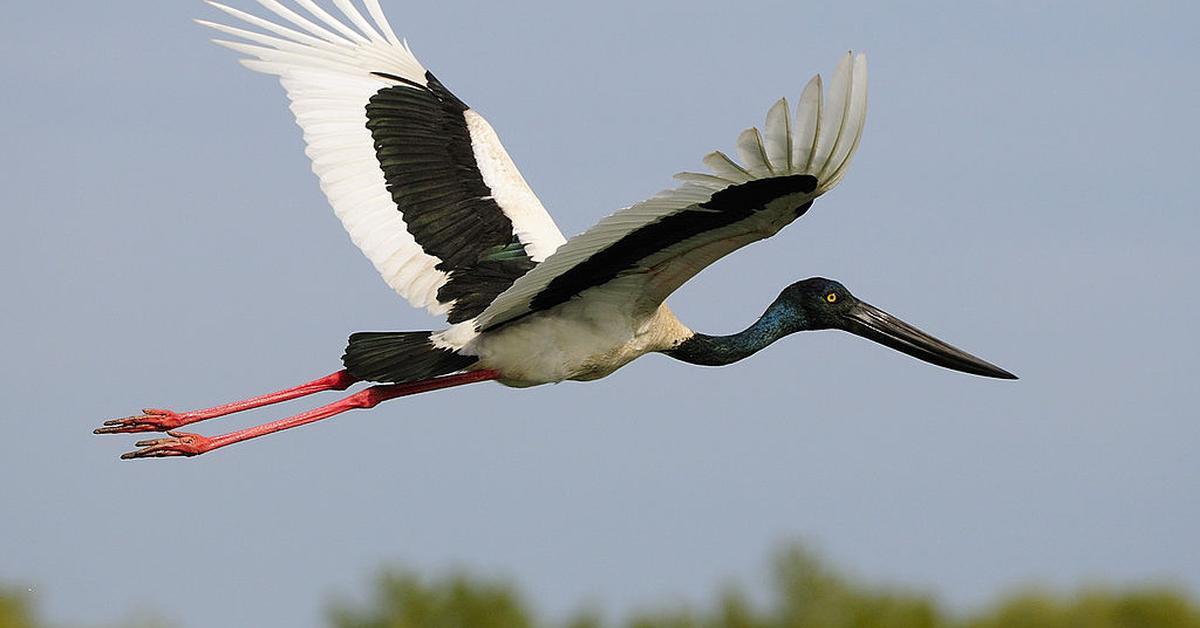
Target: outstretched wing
point(641, 254)
point(418, 179)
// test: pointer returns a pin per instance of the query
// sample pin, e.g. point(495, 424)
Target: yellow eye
point(832, 297)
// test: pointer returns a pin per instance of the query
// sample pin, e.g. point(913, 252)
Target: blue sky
point(1025, 189)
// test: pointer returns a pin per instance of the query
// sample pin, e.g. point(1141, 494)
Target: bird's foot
point(152, 420)
point(176, 444)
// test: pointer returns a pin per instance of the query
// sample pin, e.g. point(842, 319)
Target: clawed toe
point(176, 444)
point(153, 420)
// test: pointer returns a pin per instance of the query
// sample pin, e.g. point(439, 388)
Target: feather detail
point(833, 116)
point(808, 121)
point(726, 168)
point(856, 117)
point(754, 155)
point(778, 137)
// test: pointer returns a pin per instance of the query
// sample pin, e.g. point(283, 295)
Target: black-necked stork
point(425, 189)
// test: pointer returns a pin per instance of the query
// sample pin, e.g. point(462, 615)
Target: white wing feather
point(326, 69)
point(820, 143)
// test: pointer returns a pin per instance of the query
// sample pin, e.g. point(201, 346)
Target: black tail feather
point(399, 356)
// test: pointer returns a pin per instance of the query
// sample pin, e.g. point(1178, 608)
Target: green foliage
point(810, 594)
point(405, 601)
point(16, 609)
point(1095, 608)
point(805, 593)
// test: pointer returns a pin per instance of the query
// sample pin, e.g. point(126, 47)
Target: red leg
point(158, 420)
point(184, 444)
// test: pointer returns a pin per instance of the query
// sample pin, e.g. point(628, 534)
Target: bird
point(425, 189)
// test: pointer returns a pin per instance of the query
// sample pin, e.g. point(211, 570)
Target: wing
point(641, 254)
point(418, 179)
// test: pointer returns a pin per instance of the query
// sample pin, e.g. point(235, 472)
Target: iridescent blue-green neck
point(819, 303)
point(780, 319)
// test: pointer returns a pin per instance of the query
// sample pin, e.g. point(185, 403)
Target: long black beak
point(871, 322)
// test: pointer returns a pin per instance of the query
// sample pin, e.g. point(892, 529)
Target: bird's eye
point(832, 297)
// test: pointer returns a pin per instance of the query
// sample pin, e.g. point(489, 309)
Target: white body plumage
point(579, 340)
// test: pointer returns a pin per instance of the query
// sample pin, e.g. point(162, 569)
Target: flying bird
point(424, 187)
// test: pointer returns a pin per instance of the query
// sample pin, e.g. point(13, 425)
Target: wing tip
point(821, 142)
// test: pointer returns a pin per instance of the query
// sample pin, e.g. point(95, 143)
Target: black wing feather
point(424, 148)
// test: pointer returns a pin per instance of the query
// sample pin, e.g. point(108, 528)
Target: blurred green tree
point(806, 593)
point(16, 609)
point(1092, 608)
point(402, 600)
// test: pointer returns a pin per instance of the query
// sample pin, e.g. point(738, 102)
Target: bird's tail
point(399, 356)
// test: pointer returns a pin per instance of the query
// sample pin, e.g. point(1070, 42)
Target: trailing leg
point(159, 420)
point(184, 444)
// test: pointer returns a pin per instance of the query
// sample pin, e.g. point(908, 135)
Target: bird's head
point(819, 303)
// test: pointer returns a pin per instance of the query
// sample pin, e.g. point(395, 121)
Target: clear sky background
point(1026, 189)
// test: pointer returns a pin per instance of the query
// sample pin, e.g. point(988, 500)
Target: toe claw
point(152, 420)
point(177, 444)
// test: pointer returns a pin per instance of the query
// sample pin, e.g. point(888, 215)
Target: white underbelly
point(574, 341)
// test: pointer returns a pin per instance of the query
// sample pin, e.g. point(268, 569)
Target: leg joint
point(370, 397)
point(340, 380)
